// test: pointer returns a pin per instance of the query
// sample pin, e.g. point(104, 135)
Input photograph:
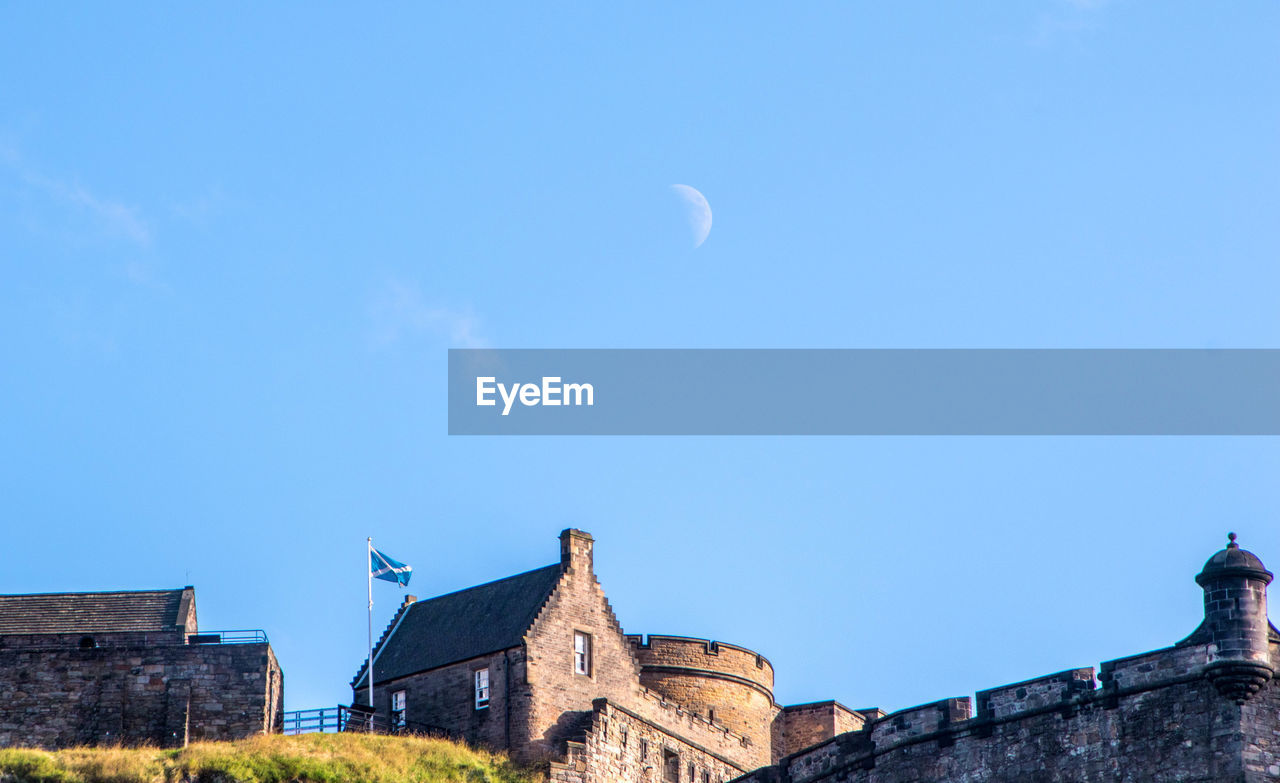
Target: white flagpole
point(368, 564)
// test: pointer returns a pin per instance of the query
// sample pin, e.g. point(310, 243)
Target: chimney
point(575, 551)
point(408, 599)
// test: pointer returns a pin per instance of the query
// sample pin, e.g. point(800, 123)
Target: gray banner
point(864, 392)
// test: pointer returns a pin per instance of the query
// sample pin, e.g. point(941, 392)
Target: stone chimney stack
point(1235, 615)
point(575, 551)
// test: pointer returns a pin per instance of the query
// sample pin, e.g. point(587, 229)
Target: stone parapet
point(1174, 725)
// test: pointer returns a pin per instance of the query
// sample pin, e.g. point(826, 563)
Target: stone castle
point(538, 665)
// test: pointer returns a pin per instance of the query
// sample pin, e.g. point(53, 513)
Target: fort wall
point(1155, 716)
point(1261, 741)
point(129, 689)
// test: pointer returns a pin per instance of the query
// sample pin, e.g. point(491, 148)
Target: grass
point(308, 758)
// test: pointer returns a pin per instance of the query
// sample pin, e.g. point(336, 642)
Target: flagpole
point(368, 569)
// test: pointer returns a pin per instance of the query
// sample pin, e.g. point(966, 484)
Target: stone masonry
point(644, 708)
point(101, 685)
point(684, 710)
point(1201, 710)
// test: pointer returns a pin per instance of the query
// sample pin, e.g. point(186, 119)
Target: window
point(397, 710)
point(644, 749)
point(624, 738)
point(692, 773)
point(706, 776)
point(482, 689)
point(670, 766)
point(581, 653)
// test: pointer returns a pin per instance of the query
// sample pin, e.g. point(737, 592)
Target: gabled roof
point(120, 612)
point(466, 624)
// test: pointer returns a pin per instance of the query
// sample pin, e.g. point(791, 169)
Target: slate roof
point(466, 624)
point(142, 610)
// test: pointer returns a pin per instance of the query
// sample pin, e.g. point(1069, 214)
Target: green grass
point(309, 758)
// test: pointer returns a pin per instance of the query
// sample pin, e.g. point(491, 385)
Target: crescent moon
point(698, 212)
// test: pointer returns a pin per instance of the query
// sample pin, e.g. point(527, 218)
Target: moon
point(697, 211)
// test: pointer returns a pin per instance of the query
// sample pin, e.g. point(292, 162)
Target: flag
point(383, 567)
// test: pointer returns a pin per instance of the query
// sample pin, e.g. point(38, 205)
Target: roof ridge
point(92, 592)
point(486, 584)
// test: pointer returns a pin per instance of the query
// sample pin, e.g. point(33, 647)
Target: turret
point(1235, 621)
point(725, 683)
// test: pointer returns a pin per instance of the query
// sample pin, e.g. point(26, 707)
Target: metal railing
point(345, 719)
point(249, 636)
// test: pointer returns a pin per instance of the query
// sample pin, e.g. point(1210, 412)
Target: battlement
point(799, 726)
point(702, 657)
point(924, 720)
point(1005, 713)
point(1156, 666)
point(1064, 693)
point(855, 719)
point(677, 715)
point(1052, 690)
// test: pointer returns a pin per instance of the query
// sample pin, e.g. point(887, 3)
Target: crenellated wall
point(1155, 716)
point(620, 744)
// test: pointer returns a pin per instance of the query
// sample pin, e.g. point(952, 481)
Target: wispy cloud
point(399, 311)
point(115, 216)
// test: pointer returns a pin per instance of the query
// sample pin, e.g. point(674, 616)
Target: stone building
point(130, 668)
point(537, 664)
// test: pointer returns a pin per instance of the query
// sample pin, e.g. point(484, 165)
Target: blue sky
point(237, 241)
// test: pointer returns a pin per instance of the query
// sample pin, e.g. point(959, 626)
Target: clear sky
point(236, 241)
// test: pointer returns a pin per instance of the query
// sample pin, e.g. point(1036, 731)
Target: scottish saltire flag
point(383, 567)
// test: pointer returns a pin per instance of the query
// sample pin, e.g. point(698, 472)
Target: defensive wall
point(1202, 710)
point(63, 690)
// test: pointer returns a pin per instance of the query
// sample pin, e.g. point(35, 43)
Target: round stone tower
point(727, 684)
point(1235, 619)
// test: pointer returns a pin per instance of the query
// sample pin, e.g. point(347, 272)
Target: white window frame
point(399, 700)
point(480, 680)
point(582, 653)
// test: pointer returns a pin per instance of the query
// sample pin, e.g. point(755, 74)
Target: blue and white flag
point(383, 567)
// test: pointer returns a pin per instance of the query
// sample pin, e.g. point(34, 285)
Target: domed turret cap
point(1234, 561)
